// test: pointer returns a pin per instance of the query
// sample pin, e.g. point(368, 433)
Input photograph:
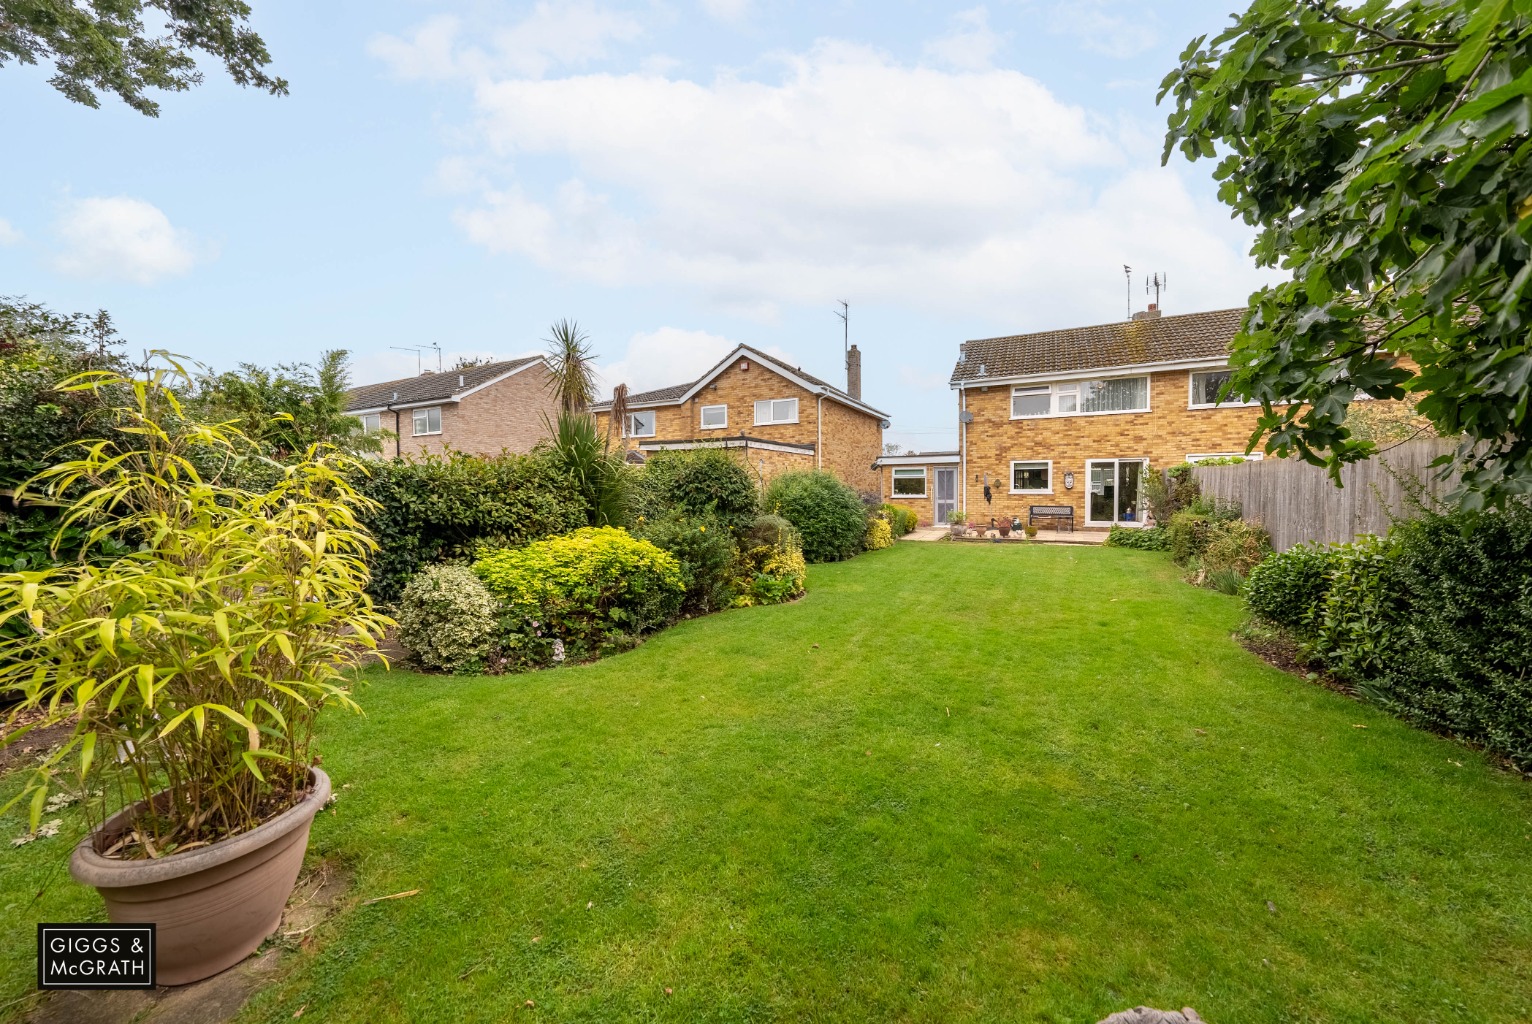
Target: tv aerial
point(420, 351)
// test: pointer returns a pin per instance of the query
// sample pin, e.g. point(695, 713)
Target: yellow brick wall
point(851, 442)
point(1165, 436)
point(506, 416)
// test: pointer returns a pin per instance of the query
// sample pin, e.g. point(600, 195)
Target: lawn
point(954, 783)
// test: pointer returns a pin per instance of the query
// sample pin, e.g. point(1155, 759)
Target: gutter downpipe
point(963, 423)
point(390, 408)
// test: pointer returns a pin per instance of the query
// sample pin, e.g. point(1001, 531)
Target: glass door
point(946, 494)
point(1116, 491)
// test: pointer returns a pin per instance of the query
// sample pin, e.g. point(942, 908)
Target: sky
point(676, 176)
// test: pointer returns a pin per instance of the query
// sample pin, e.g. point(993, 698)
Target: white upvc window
point(1032, 477)
point(715, 417)
point(1197, 457)
point(909, 481)
point(372, 423)
point(428, 421)
point(640, 423)
point(776, 410)
point(1206, 385)
point(1080, 397)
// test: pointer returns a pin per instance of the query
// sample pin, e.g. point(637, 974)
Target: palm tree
point(619, 413)
point(573, 367)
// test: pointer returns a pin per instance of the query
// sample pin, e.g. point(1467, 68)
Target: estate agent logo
point(95, 956)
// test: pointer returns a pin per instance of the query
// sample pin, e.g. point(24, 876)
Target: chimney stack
point(1152, 313)
point(854, 373)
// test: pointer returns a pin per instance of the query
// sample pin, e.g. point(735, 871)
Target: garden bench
point(1057, 513)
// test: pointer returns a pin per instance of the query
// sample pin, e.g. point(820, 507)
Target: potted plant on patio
point(1031, 532)
point(192, 668)
point(955, 519)
point(1004, 527)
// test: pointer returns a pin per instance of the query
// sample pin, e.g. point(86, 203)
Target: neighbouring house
point(924, 481)
point(772, 416)
point(1079, 417)
point(481, 410)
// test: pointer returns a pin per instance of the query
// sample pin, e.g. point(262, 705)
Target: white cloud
point(557, 33)
point(670, 355)
point(122, 238)
point(727, 10)
point(1098, 29)
point(970, 46)
point(850, 174)
point(8, 234)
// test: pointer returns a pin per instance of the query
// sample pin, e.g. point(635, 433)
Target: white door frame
point(1116, 497)
point(936, 489)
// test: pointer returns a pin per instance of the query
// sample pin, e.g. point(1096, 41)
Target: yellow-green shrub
point(580, 595)
point(879, 535)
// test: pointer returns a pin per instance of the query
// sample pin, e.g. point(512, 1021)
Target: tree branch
point(1416, 62)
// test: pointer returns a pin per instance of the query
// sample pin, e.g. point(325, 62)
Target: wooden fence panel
point(1297, 502)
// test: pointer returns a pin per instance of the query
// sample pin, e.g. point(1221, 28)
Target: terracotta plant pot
point(214, 905)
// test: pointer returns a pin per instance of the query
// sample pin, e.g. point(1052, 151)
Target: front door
point(946, 494)
point(1116, 491)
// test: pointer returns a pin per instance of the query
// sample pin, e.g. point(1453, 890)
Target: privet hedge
point(439, 508)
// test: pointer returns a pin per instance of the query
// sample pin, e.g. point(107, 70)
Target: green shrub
point(1288, 588)
point(901, 519)
point(447, 619)
point(707, 555)
point(1435, 624)
point(771, 568)
point(1186, 535)
point(1235, 546)
point(1170, 492)
point(438, 508)
point(771, 532)
point(829, 515)
point(1354, 630)
point(577, 449)
point(879, 535)
point(707, 483)
point(581, 595)
point(1145, 538)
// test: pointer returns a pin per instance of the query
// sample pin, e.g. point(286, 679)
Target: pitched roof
point(1164, 339)
point(432, 387)
point(676, 392)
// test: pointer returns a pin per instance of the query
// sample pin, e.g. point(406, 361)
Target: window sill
point(1079, 415)
point(428, 433)
point(777, 423)
point(1048, 493)
point(897, 497)
point(716, 426)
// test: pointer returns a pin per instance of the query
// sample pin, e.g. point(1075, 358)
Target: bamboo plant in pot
point(193, 669)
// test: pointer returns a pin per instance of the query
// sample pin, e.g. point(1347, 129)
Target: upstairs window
point(640, 424)
point(910, 481)
point(1080, 397)
point(1207, 386)
point(428, 421)
point(776, 410)
point(715, 417)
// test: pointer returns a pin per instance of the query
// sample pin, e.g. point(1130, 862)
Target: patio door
point(1116, 492)
point(946, 494)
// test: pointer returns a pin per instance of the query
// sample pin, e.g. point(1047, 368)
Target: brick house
point(1079, 417)
point(925, 481)
point(772, 416)
point(482, 410)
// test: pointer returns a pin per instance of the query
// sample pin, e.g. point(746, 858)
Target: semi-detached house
point(1078, 418)
point(481, 410)
point(772, 416)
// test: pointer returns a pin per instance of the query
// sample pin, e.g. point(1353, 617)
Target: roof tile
point(430, 387)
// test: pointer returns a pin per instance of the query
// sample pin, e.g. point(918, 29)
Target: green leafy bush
point(707, 483)
point(447, 619)
point(707, 555)
point(1145, 538)
point(1433, 622)
point(879, 535)
point(1289, 587)
point(1170, 492)
point(439, 508)
point(771, 567)
point(1235, 546)
point(901, 519)
point(1193, 528)
point(829, 515)
point(581, 595)
point(577, 449)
